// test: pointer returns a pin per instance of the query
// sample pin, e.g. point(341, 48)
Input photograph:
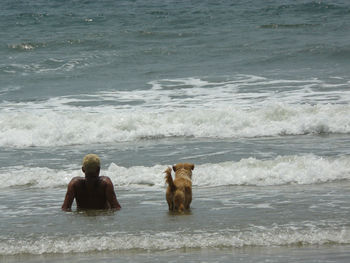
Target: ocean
point(255, 93)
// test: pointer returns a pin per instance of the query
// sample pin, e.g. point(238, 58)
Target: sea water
point(255, 93)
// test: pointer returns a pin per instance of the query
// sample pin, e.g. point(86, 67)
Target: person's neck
point(91, 178)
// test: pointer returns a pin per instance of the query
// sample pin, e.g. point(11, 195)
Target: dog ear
point(188, 166)
point(174, 167)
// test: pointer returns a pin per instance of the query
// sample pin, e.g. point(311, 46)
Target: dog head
point(183, 169)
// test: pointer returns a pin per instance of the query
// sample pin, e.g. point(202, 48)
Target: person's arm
point(110, 194)
point(68, 200)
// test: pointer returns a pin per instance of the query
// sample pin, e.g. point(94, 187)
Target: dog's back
point(179, 191)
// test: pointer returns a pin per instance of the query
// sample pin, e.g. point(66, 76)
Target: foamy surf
point(228, 238)
point(282, 170)
point(53, 128)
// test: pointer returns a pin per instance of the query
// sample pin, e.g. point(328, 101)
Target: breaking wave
point(282, 170)
point(51, 128)
point(228, 238)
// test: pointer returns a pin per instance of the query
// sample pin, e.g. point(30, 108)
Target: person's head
point(91, 165)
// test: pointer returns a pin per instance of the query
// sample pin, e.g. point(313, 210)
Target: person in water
point(92, 191)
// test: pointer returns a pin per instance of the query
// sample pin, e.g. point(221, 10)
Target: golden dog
point(179, 191)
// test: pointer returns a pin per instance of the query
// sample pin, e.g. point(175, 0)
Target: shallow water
point(230, 219)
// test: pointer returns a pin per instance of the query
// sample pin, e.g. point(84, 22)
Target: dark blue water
point(69, 47)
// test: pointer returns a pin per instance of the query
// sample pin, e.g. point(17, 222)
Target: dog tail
point(169, 179)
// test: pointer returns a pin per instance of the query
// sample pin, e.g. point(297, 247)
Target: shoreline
point(329, 253)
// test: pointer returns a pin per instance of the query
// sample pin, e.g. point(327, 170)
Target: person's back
point(93, 191)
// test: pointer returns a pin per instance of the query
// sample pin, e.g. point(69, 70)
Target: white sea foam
point(244, 91)
point(246, 106)
point(36, 177)
point(308, 169)
point(229, 238)
point(52, 128)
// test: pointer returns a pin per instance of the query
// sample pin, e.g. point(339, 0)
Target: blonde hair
point(91, 163)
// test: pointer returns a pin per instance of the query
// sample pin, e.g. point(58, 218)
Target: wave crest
point(308, 169)
point(230, 238)
point(51, 128)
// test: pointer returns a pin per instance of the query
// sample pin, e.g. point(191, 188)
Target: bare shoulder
point(76, 180)
point(105, 180)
